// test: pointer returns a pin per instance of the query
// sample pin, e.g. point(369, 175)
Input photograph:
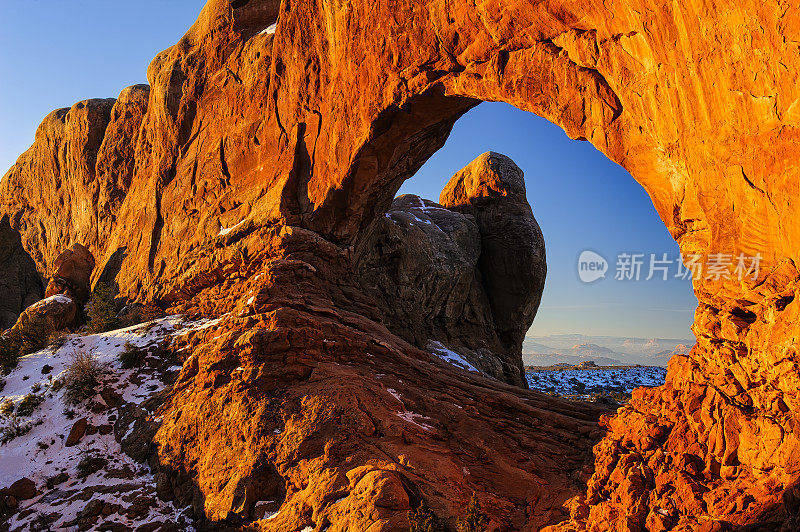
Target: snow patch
point(584, 382)
point(409, 418)
point(269, 30)
point(226, 230)
point(448, 355)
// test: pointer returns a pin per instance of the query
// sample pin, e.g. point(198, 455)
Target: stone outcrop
point(315, 125)
point(469, 277)
point(20, 283)
point(72, 271)
point(69, 186)
point(512, 262)
point(340, 423)
point(54, 313)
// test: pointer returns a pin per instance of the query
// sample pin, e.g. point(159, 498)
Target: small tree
point(10, 344)
point(100, 311)
point(423, 519)
point(34, 335)
point(475, 520)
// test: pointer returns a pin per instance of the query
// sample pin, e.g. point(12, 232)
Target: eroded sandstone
point(317, 124)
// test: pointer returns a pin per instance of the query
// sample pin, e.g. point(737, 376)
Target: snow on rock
point(408, 417)
point(58, 298)
point(441, 351)
point(96, 474)
point(226, 230)
point(269, 30)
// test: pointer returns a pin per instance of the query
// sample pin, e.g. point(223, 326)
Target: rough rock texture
point(317, 125)
point(339, 422)
point(419, 262)
point(470, 278)
point(71, 274)
point(70, 184)
point(54, 313)
point(20, 283)
point(512, 261)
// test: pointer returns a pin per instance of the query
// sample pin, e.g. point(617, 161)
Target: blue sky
point(54, 53)
point(582, 201)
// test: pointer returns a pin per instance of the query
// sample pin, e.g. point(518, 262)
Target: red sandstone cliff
point(246, 136)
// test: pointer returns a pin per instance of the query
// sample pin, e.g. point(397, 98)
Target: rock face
point(246, 132)
point(71, 275)
point(68, 187)
point(512, 261)
point(469, 278)
point(20, 283)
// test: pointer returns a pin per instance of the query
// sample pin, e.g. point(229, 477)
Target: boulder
point(77, 432)
point(54, 313)
point(71, 274)
point(20, 282)
point(22, 490)
point(467, 278)
point(512, 260)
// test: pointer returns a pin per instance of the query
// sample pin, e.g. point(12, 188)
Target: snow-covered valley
point(600, 381)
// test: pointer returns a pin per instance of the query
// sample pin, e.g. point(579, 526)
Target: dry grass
point(82, 377)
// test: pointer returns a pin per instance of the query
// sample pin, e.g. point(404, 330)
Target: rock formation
point(20, 283)
point(71, 274)
point(469, 278)
point(69, 186)
point(54, 313)
point(251, 131)
point(512, 261)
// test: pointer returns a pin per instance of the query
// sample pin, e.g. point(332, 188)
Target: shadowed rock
point(470, 276)
point(512, 261)
point(20, 283)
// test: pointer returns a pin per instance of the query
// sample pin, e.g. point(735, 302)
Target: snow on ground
point(441, 351)
point(584, 382)
point(41, 455)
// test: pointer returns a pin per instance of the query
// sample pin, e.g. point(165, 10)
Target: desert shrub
point(56, 384)
point(423, 519)
point(28, 404)
point(14, 429)
point(82, 377)
point(46, 369)
point(34, 335)
point(131, 356)
point(10, 345)
point(90, 464)
point(7, 407)
point(135, 314)
point(56, 340)
point(475, 520)
point(100, 312)
point(147, 313)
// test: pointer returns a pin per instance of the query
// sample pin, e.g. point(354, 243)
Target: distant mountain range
point(603, 350)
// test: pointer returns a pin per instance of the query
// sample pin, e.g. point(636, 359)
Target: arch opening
point(633, 314)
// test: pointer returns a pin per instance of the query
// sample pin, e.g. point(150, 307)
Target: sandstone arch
point(248, 136)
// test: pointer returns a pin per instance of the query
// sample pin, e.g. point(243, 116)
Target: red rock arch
point(317, 126)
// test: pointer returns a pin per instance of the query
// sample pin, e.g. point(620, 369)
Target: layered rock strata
point(311, 115)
